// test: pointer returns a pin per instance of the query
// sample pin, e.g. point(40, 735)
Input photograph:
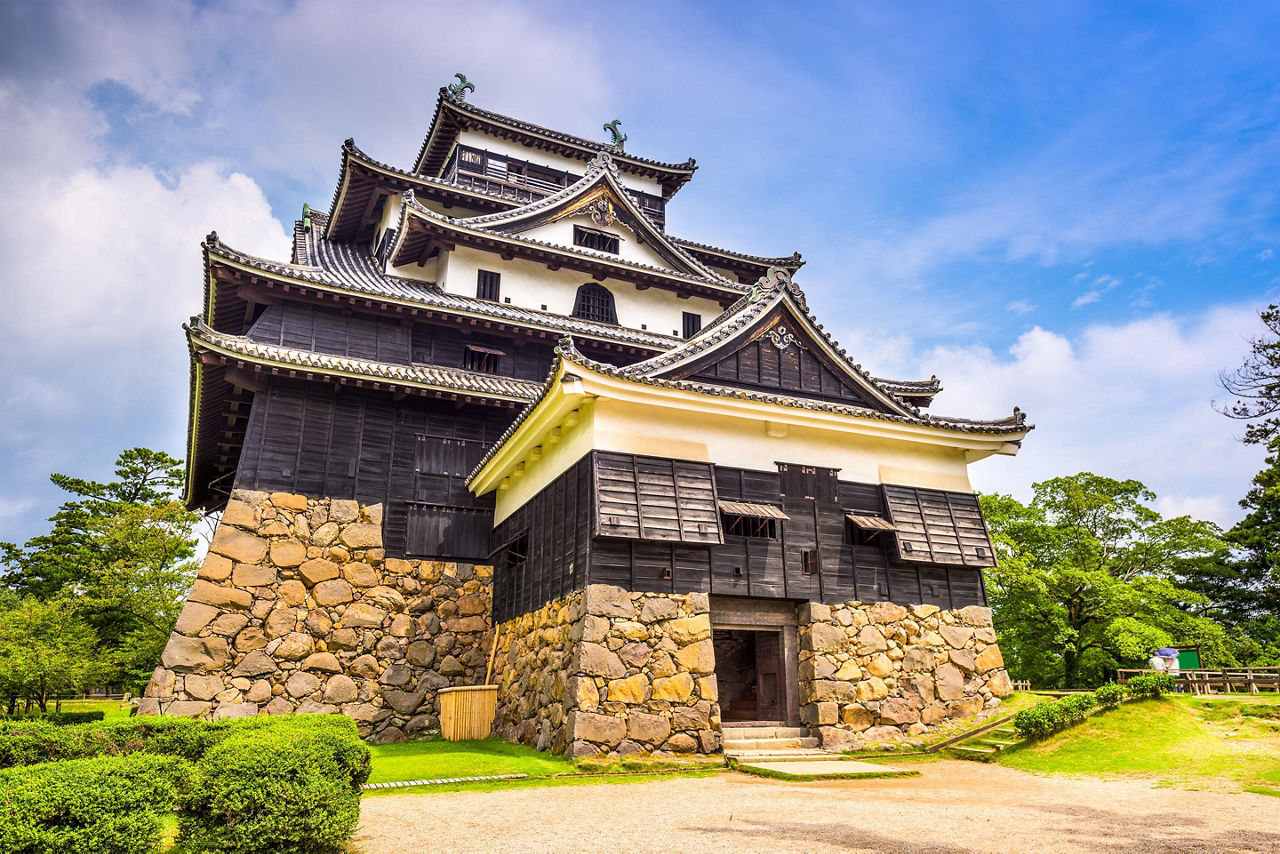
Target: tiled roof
point(602, 171)
point(352, 153)
point(679, 172)
point(567, 353)
point(351, 268)
point(1014, 423)
point(709, 279)
point(422, 376)
point(792, 262)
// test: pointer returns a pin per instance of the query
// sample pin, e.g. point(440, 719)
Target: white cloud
point(1266, 255)
point(1020, 307)
point(1123, 400)
point(1100, 285)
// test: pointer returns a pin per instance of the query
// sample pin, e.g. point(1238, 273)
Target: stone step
point(976, 751)
point(799, 754)
point(731, 731)
point(737, 744)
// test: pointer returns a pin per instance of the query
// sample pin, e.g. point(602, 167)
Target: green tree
point(1247, 593)
point(123, 549)
point(1088, 579)
point(46, 650)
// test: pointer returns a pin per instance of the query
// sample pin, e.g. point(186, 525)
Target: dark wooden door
point(769, 673)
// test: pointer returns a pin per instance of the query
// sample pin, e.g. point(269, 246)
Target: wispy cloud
point(1020, 307)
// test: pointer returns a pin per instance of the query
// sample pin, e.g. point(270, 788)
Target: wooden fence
point(1250, 680)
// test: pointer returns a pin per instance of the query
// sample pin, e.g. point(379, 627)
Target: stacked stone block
point(881, 672)
point(297, 609)
point(609, 672)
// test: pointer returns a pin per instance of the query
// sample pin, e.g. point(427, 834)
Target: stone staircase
point(984, 746)
point(770, 744)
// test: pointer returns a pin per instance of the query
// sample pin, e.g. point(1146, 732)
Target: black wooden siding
point(939, 527)
point(321, 331)
point(652, 498)
point(554, 531)
point(410, 455)
point(588, 526)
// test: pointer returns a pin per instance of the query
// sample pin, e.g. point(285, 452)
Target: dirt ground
point(953, 807)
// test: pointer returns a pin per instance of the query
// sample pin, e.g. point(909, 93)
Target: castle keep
point(491, 406)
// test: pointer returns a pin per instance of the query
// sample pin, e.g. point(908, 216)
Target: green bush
point(1152, 685)
point(108, 804)
point(1047, 718)
point(63, 718)
point(25, 742)
point(289, 783)
point(1110, 696)
point(279, 789)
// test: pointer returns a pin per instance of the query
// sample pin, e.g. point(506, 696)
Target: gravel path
point(953, 807)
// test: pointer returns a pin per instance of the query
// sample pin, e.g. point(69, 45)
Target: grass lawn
point(428, 760)
point(111, 708)
point(1192, 742)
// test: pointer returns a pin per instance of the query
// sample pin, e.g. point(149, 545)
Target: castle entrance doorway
point(756, 660)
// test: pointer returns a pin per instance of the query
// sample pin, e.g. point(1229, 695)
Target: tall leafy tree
point(1247, 594)
point(123, 549)
point(46, 650)
point(1089, 579)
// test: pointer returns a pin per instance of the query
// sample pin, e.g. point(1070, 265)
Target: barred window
point(595, 302)
point(601, 241)
point(488, 285)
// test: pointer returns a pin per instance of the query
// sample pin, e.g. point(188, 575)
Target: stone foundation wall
point(608, 672)
point(881, 672)
point(532, 668)
point(297, 609)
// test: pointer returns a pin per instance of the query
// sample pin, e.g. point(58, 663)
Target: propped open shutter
point(934, 526)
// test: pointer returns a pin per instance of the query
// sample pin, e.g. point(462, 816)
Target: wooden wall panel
point(314, 440)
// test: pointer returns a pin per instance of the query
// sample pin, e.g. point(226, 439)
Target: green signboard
point(1189, 659)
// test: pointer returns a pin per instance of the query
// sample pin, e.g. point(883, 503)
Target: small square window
point(481, 359)
point(488, 285)
point(809, 563)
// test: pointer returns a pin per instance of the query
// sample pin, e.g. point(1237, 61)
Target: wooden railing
point(1226, 680)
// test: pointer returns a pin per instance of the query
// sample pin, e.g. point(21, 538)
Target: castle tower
point(490, 399)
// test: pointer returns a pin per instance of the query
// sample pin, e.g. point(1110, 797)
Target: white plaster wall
point(553, 161)
point(745, 443)
point(532, 285)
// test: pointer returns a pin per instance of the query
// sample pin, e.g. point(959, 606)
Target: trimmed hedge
point(289, 783)
point(110, 804)
point(62, 718)
point(1152, 685)
point(1109, 696)
point(27, 742)
point(1047, 718)
point(276, 790)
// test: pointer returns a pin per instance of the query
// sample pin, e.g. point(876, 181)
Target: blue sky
point(1069, 207)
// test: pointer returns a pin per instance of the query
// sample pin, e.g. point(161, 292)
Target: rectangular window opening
point(809, 561)
point(601, 241)
point(749, 526)
point(488, 285)
point(481, 359)
point(692, 324)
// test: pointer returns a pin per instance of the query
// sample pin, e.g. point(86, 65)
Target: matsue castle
point(491, 421)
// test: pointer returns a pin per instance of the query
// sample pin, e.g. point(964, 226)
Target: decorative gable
point(780, 354)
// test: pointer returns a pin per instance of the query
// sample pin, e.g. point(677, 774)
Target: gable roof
point(598, 194)
point(453, 116)
point(744, 319)
point(420, 228)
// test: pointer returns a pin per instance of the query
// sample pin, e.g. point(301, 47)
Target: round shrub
point(1151, 685)
point(108, 804)
point(1110, 696)
point(282, 788)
